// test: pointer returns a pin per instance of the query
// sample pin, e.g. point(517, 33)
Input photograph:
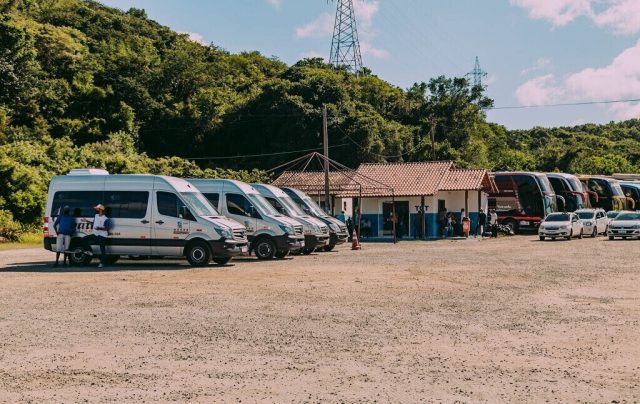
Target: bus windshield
point(199, 204)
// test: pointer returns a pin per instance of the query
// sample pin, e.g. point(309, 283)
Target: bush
point(9, 229)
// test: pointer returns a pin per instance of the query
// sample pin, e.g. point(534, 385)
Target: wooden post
point(393, 218)
point(423, 225)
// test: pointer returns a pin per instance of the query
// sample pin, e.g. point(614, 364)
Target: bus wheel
point(329, 247)
point(542, 238)
point(512, 224)
point(221, 260)
point(112, 259)
point(265, 249)
point(198, 254)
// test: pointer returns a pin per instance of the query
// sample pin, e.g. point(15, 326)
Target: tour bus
point(605, 192)
point(270, 233)
point(151, 216)
point(338, 233)
point(316, 233)
point(523, 199)
point(571, 190)
point(631, 190)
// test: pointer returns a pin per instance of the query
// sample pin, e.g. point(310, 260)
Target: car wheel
point(581, 235)
point(611, 238)
point(329, 247)
point(265, 249)
point(542, 238)
point(221, 260)
point(198, 254)
point(595, 232)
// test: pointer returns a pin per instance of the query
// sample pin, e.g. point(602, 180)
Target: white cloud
point(196, 37)
point(540, 64)
point(623, 16)
point(322, 27)
point(275, 3)
point(619, 80)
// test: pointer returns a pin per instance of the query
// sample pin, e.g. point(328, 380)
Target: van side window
point(126, 204)
point(276, 204)
point(239, 205)
point(214, 199)
point(80, 202)
point(168, 204)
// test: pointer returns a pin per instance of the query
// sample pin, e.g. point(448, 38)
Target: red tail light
point(45, 227)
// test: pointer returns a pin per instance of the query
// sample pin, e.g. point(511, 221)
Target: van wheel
point(80, 255)
point(581, 234)
point(198, 254)
point(281, 254)
point(265, 249)
point(542, 238)
point(308, 251)
point(329, 247)
point(112, 259)
point(221, 260)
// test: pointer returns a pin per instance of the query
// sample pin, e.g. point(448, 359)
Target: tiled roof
point(461, 180)
point(388, 179)
point(407, 179)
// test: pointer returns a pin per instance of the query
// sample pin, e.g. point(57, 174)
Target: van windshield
point(199, 204)
point(291, 206)
point(314, 208)
point(263, 205)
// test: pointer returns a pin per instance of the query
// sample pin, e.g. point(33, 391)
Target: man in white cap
point(101, 226)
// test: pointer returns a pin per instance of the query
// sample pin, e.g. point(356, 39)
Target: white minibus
point(270, 233)
point(316, 232)
point(151, 216)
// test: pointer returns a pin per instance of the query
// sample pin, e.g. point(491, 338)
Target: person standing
point(100, 234)
point(442, 221)
point(493, 221)
point(64, 226)
point(460, 229)
point(482, 221)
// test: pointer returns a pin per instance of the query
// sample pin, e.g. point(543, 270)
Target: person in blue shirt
point(64, 226)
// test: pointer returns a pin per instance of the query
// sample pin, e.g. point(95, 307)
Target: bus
point(523, 199)
point(605, 192)
point(571, 190)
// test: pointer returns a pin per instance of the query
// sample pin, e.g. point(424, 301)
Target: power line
point(263, 154)
point(567, 104)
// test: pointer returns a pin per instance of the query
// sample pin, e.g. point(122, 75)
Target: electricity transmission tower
point(345, 47)
point(477, 73)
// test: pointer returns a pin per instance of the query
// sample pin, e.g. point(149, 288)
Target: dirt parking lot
point(470, 321)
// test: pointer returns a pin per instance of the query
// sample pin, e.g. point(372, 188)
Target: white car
point(625, 225)
point(594, 221)
point(561, 225)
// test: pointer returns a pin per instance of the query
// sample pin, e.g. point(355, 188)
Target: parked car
point(612, 214)
point(625, 225)
point(594, 221)
point(561, 225)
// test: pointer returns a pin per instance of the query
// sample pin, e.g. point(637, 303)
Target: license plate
point(524, 223)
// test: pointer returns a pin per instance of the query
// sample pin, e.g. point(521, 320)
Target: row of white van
point(202, 220)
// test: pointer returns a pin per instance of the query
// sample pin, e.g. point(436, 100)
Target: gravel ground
point(469, 321)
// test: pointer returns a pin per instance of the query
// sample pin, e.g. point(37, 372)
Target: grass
point(27, 240)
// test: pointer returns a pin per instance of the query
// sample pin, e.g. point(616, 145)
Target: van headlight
point(588, 223)
point(287, 229)
point(225, 233)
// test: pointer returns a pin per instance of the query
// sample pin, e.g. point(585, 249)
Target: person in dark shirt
point(482, 222)
point(64, 226)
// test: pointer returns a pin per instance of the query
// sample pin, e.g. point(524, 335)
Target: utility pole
point(432, 135)
point(345, 46)
point(477, 73)
point(325, 130)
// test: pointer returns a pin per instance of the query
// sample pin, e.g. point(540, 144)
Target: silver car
point(561, 225)
point(594, 221)
point(625, 225)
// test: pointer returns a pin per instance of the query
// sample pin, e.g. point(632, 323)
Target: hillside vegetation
point(86, 85)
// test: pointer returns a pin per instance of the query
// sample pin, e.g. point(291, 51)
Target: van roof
point(277, 192)
point(178, 184)
point(239, 185)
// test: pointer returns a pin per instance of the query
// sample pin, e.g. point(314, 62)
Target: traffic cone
point(355, 243)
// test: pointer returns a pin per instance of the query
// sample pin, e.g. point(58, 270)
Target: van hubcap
point(264, 249)
point(197, 254)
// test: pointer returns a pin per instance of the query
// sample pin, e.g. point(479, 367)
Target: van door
point(130, 216)
point(170, 228)
point(240, 209)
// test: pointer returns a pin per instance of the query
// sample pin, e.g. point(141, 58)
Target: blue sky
point(536, 52)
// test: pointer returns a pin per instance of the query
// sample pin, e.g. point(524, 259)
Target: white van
point(270, 233)
point(338, 233)
point(316, 232)
point(151, 216)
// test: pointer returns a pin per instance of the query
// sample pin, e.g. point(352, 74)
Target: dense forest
point(83, 85)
